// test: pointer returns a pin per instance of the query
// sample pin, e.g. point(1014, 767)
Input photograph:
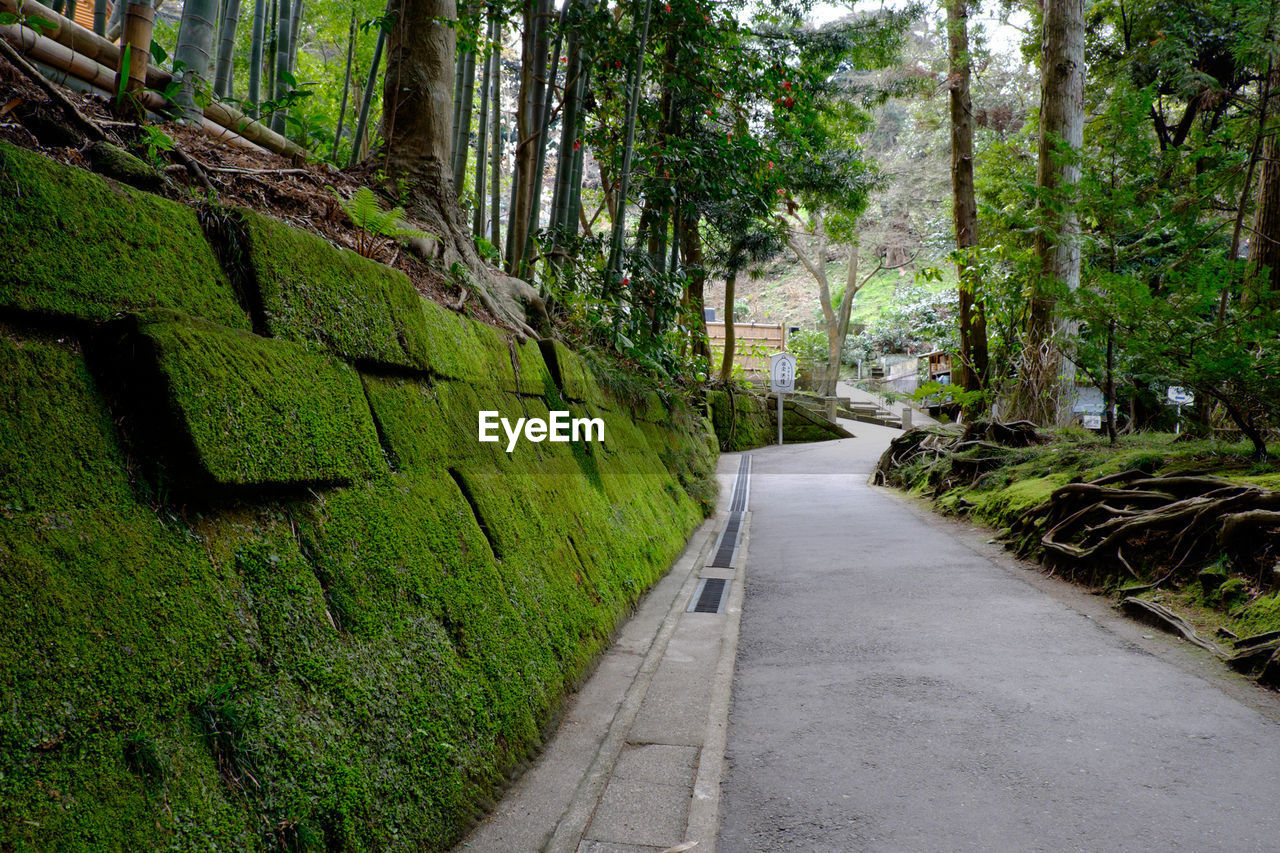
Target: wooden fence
point(753, 344)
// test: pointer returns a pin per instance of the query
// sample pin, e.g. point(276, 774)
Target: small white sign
point(1180, 396)
point(1089, 401)
point(782, 373)
point(1093, 421)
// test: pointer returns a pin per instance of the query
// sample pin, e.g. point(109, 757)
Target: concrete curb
point(704, 810)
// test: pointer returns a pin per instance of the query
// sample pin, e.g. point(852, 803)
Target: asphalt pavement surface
point(902, 686)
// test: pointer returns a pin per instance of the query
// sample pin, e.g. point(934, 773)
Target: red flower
point(626, 281)
point(577, 143)
point(770, 164)
point(668, 7)
point(786, 84)
point(790, 102)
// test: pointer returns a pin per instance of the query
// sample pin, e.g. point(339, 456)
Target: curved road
point(901, 686)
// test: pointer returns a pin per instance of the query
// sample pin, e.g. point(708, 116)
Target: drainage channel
point(711, 593)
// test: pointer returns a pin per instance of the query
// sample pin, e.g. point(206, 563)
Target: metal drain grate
point(742, 486)
point(709, 596)
point(727, 546)
point(722, 556)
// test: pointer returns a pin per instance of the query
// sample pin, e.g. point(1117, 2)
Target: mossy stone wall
point(743, 420)
point(266, 591)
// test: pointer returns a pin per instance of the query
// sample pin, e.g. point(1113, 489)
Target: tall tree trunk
point(973, 320)
point(726, 361)
point(257, 44)
point(495, 174)
point(1264, 242)
point(533, 65)
point(573, 207)
point(284, 30)
point(544, 133)
point(1046, 379)
point(139, 20)
point(836, 338)
point(418, 113)
point(568, 140)
point(462, 119)
point(346, 84)
point(226, 48)
point(195, 42)
point(272, 45)
point(362, 123)
point(482, 132)
point(295, 33)
point(691, 248)
point(635, 73)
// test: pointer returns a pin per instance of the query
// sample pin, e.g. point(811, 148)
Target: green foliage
point(921, 318)
point(154, 140)
point(80, 247)
point(376, 227)
point(809, 347)
point(939, 394)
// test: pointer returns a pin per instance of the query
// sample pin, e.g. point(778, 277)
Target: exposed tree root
point(1176, 523)
point(955, 456)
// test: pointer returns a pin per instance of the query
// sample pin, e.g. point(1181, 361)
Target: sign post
point(782, 381)
point(1180, 397)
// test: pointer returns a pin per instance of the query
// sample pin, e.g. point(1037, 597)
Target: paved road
point(900, 687)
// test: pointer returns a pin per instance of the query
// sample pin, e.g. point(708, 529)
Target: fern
point(375, 227)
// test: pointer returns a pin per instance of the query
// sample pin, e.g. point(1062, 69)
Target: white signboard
point(782, 373)
point(1089, 401)
point(1180, 396)
point(1093, 421)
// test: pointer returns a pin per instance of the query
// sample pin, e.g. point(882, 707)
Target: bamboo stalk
point(362, 122)
point(90, 69)
point(52, 56)
point(346, 84)
point(256, 41)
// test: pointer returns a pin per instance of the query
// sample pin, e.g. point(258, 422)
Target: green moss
point(463, 349)
point(573, 377)
point(259, 411)
point(332, 299)
point(743, 421)
point(77, 246)
point(999, 507)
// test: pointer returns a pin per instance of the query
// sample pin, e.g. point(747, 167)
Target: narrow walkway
point(902, 686)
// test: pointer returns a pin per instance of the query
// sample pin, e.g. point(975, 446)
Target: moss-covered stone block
point(743, 421)
point(740, 420)
point(464, 349)
point(258, 411)
point(77, 246)
point(332, 299)
point(572, 375)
